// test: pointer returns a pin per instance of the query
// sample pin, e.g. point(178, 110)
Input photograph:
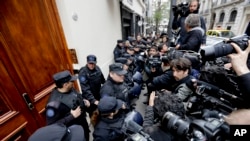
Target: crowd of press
point(194, 92)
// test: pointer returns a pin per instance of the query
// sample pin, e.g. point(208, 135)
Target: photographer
point(163, 49)
point(158, 106)
point(152, 66)
point(180, 13)
point(181, 68)
point(66, 94)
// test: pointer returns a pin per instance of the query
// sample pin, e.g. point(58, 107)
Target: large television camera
point(224, 48)
point(181, 9)
point(211, 129)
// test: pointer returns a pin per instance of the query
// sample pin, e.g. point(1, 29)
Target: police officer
point(91, 78)
point(66, 94)
point(119, 49)
point(115, 85)
point(132, 80)
point(108, 120)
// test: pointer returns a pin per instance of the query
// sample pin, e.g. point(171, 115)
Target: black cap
point(91, 59)
point(109, 104)
point(122, 60)
point(64, 76)
point(119, 41)
point(58, 131)
point(117, 68)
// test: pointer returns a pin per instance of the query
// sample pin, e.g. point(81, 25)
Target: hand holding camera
point(76, 112)
point(239, 59)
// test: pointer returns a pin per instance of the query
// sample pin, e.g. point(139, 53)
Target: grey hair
point(193, 20)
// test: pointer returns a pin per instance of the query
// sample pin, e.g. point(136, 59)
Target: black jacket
point(118, 90)
point(244, 86)
point(118, 52)
point(70, 99)
point(91, 81)
point(192, 40)
point(164, 81)
point(180, 22)
point(109, 130)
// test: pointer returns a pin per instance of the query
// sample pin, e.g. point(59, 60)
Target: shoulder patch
point(82, 79)
point(50, 113)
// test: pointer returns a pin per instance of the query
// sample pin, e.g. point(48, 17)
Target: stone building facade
point(233, 15)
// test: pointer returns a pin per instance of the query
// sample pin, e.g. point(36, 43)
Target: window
point(233, 16)
point(222, 15)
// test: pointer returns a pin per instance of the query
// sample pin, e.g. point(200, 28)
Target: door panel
point(34, 40)
point(32, 49)
point(12, 108)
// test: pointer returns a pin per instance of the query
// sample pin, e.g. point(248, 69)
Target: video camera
point(224, 48)
point(154, 62)
point(181, 9)
point(212, 129)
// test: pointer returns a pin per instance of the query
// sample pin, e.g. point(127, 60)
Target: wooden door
point(32, 49)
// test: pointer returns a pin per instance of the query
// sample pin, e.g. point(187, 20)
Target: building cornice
point(236, 2)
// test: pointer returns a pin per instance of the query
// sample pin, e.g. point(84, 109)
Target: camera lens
point(218, 50)
point(223, 48)
point(175, 124)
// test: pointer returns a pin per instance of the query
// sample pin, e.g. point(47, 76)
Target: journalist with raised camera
point(181, 11)
point(158, 106)
point(152, 66)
